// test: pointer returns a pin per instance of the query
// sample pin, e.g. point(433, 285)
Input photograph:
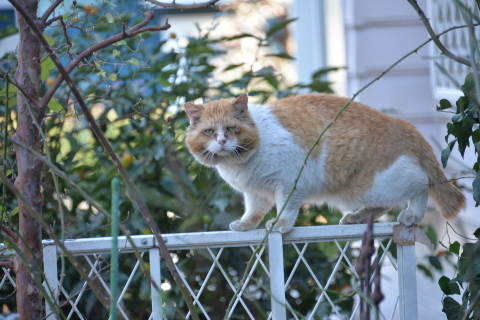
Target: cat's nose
point(221, 141)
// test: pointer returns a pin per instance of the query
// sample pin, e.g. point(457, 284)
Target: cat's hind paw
point(409, 218)
point(350, 218)
point(239, 225)
point(281, 225)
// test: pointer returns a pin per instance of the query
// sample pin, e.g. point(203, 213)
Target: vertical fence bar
point(407, 282)
point(157, 312)
point(277, 277)
point(51, 277)
point(114, 249)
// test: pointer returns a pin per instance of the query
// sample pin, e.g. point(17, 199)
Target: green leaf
point(320, 73)
point(444, 283)
point(435, 262)
point(112, 76)
point(469, 262)
point(240, 36)
point(477, 233)
point(46, 66)
point(133, 61)
point(462, 104)
point(14, 212)
point(476, 189)
point(452, 309)
point(279, 26)
point(49, 39)
point(444, 104)
point(282, 55)
point(110, 17)
point(446, 152)
point(115, 52)
point(454, 247)
point(233, 66)
point(426, 270)
point(120, 43)
point(8, 31)
point(54, 105)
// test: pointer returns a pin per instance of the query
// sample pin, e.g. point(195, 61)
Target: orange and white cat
point(367, 162)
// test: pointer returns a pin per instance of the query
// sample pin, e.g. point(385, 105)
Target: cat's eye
point(208, 131)
point(231, 129)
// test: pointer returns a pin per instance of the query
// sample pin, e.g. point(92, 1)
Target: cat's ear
point(193, 111)
point(241, 104)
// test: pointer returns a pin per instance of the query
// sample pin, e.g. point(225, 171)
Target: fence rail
point(215, 243)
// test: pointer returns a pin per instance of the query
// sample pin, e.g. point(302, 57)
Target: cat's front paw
point(239, 225)
point(281, 225)
point(409, 218)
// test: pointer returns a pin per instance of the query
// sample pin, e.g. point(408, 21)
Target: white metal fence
point(303, 246)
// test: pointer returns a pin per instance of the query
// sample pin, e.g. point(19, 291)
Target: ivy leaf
point(477, 233)
point(452, 309)
point(476, 189)
point(112, 76)
point(446, 153)
point(454, 247)
point(115, 52)
point(133, 61)
point(445, 284)
point(279, 26)
point(444, 104)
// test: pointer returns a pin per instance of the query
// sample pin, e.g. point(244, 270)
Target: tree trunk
point(28, 182)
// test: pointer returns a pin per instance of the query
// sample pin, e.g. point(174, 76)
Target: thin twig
point(135, 30)
point(9, 232)
point(49, 11)
point(175, 5)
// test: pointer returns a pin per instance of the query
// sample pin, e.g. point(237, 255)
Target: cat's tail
point(447, 197)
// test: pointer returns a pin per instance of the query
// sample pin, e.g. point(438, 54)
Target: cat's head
point(221, 131)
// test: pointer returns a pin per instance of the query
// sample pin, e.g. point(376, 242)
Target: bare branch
point(125, 34)
point(175, 5)
point(434, 37)
point(6, 264)
point(49, 11)
point(108, 148)
point(9, 232)
point(49, 22)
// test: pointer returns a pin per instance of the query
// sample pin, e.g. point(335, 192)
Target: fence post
point(51, 277)
point(277, 277)
point(157, 312)
point(407, 281)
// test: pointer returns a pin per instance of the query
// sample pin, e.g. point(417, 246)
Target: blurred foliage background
point(136, 90)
